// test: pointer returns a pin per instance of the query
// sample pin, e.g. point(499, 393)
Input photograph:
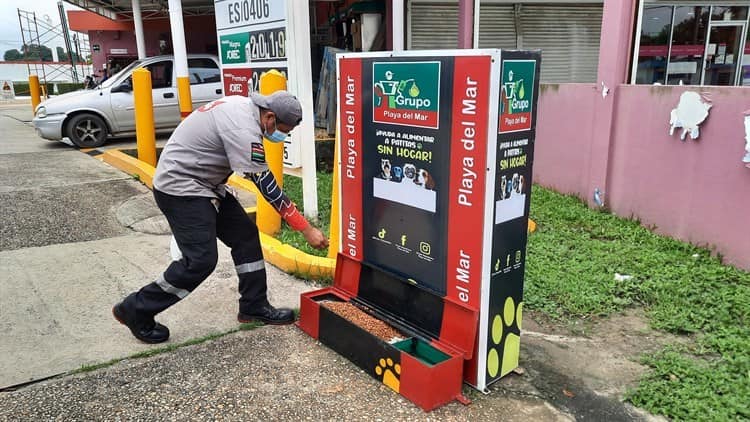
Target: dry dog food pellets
point(360, 318)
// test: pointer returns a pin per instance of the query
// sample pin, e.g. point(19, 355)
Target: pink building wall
point(564, 132)
point(615, 137)
point(200, 37)
point(697, 191)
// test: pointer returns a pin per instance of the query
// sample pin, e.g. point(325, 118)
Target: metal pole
point(44, 71)
point(298, 53)
point(66, 37)
point(77, 45)
point(397, 22)
point(138, 21)
point(23, 39)
point(465, 23)
point(180, 58)
point(144, 116)
point(477, 6)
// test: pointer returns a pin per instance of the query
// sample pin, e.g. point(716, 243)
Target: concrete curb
point(281, 255)
point(131, 165)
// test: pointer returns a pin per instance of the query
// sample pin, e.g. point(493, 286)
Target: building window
point(655, 32)
point(567, 32)
point(688, 44)
point(693, 45)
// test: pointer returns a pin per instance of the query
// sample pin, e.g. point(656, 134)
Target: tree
point(37, 52)
point(62, 55)
point(12, 55)
point(32, 52)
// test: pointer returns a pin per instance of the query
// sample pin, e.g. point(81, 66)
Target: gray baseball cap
point(284, 105)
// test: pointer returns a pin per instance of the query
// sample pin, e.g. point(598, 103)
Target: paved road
point(20, 111)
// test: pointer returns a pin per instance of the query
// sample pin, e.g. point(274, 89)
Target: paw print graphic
point(504, 329)
point(390, 373)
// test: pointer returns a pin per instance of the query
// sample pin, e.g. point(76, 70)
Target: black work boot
point(148, 331)
point(267, 314)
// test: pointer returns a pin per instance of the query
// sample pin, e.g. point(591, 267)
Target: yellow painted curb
point(281, 255)
point(131, 165)
point(292, 260)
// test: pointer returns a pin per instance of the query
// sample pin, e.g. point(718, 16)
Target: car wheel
point(87, 130)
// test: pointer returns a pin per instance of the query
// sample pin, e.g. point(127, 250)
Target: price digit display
point(266, 45)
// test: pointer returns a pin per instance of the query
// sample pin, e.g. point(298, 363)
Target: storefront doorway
point(696, 44)
point(724, 54)
point(117, 63)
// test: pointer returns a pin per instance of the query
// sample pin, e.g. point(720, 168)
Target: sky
point(10, 30)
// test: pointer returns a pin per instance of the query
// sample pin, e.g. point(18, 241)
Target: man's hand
point(315, 238)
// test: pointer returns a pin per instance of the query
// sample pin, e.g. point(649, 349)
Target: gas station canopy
point(151, 9)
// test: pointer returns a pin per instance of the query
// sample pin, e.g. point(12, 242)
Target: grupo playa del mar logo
point(406, 93)
point(517, 93)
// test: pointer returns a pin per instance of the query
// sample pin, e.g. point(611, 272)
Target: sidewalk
point(65, 259)
point(280, 373)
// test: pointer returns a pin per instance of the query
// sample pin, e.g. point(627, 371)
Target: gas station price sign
point(252, 39)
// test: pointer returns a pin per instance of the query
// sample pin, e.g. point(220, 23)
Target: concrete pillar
point(614, 56)
point(477, 11)
point(180, 57)
point(465, 23)
point(397, 24)
point(138, 21)
point(298, 52)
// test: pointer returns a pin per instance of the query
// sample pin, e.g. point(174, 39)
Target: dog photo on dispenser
point(425, 180)
point(512, 198)
point(385, 169)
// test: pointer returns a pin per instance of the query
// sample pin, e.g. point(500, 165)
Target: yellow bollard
point(144, 116)
point(333, 243)
point(34, 91)
point(269, 221)
point(184, 96)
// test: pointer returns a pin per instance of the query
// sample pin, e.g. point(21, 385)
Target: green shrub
point(22, 87)
point(64, 87)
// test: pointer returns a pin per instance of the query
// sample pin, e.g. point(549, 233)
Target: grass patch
point(572, 260)
point(169, 348)
point(293, 189)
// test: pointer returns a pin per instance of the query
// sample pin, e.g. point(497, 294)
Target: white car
point(88, 117)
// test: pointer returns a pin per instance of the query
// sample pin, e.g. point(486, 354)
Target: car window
point(161, 74)
point(111, 80)
point(203, 71)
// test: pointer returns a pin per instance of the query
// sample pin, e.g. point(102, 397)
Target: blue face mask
point(277, 136)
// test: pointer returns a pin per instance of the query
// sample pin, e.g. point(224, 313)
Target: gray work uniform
point(215, 140)
point(206, 148)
